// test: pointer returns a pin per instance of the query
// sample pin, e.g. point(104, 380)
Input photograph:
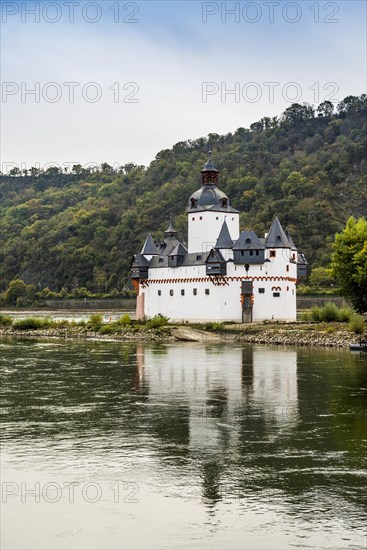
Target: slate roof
point(139, 260)
point(291, 242)
point(190, 259)
point(215, 256)
point(209, 197)
point(301, 259)
point(179, 250)
point(209, 166)
point(168, 244)
point(248, 240)
point(276, 237)
point(170, 229)
point(149, 247)
point(224, 239)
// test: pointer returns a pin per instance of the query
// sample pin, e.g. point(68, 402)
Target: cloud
point(150, 76)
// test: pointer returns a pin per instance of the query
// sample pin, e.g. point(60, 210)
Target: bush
point(328, 313)
point(345, 314)
point(108, 329)
point(157, 322)
point(32, 323)
point(95, 321)
point(5, 320)
point(316, 314)
point(125, 320)
point(357, 324)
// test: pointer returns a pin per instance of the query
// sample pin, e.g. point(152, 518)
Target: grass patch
point(157, 322)
point(213, 326)
point(327, 313)
point(357, 324)
point(5, 320)
point(32, 323)
point(109, 329)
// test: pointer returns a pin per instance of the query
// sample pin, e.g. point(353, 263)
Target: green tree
point(349, 262)
point(297, 113)
point(100, 281)
point(321, 277)
point(16, 289)
point(325, 109)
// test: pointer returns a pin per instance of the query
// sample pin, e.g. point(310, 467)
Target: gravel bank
point(330, 335)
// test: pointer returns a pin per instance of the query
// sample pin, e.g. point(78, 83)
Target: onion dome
point(209, 196)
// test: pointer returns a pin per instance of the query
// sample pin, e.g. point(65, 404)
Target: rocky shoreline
point(326, 335)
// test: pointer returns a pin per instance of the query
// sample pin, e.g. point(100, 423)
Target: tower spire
point(170, 232)
point(209, 173)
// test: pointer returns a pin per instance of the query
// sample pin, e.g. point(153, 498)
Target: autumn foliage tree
point(349, 262)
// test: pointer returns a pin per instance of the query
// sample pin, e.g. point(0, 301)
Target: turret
point(207, 210)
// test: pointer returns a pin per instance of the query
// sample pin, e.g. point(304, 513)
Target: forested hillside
point(80, 229)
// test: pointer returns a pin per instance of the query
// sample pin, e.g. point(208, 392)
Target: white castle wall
point(204, 228)
point(223, 303)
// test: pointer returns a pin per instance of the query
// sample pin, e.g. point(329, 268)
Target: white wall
point(204, 229)
point(223, 302)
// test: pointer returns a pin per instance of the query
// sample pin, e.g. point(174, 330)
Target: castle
point(223, 274)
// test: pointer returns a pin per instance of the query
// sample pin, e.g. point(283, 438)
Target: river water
point(110, 445)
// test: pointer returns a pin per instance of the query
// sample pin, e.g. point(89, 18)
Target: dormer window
point(194, 203)
point(224, 202)
point(248, 241)
point(279, 240)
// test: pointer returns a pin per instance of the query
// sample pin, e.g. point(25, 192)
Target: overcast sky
point(117, 82)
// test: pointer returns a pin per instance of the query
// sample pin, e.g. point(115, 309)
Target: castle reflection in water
point(216, 387)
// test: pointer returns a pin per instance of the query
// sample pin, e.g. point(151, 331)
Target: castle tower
point(207, 210)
